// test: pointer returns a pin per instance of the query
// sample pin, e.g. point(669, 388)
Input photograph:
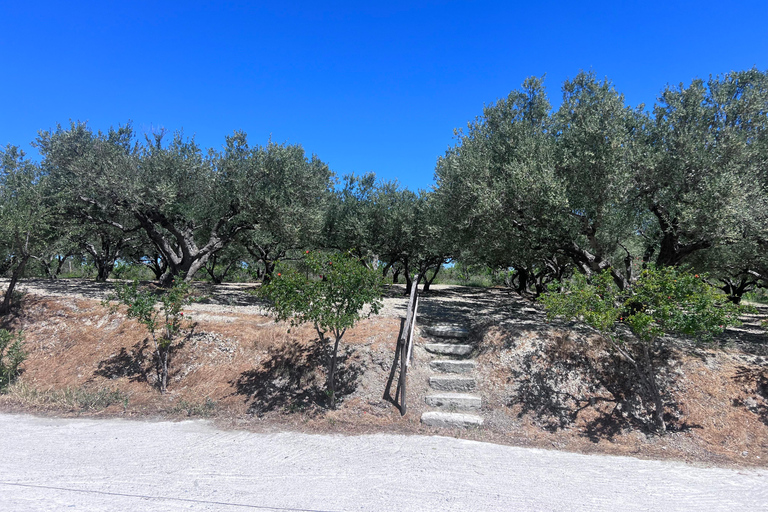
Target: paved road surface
point(116, 465)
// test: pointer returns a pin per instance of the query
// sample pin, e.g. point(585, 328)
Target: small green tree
point(163, 323)
point(330, 292)
point(662, 301)
point(11, 357)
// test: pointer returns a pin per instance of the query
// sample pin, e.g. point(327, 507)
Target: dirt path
point(117, 465)
point(444, 302)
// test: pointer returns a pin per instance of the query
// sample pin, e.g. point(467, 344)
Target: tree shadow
point(293, 377)
point(19, 302)
point(140, 363)
point(757, 378)
point(131, 363)
point(73, 286)
point(230, 294)
point(567, 383)
point(464, 304)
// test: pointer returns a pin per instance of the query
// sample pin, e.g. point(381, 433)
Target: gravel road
point(118, 465)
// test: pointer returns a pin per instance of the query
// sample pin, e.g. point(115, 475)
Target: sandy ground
point(118, 465)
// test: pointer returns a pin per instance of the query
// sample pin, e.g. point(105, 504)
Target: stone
point(452, 383)
point(451, 366)
point(454, 401)
point(446, 331)
point(451, 419)
point(452, 349)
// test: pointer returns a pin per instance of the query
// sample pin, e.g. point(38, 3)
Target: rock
point(453, 349)
point(454, 401)
point(451, 366)
point(452, 383)
point(446, 331)
point(450, 419)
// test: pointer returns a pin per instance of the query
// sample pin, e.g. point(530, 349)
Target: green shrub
point(160, 312)
point(11, 356)
point(330, 291)
point(662, 301)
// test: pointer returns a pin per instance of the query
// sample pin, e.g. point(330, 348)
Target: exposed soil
point(543, 384)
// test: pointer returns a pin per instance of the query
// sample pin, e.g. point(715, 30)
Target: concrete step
point(452, 383)
point(446, 331)
point(451, 366)
point(454, 401)
point(451, 419)
point(448, 349)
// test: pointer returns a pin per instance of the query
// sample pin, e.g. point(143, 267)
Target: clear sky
point(367, 86)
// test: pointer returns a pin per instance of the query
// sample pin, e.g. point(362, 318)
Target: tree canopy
point(600, 185)
point(189, 204)
point(589, 186)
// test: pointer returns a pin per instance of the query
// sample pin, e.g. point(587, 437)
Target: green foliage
point(661, 302)
point(130, 270)
point(676, 301)
point(329, 291)
point(385, 222)
point(760, 295)
point(161, 313)
point(497, 195)
point(25, 214)
point(600, 183)
point(188, 203)
point(11, 356)
point(700, 175)
point(597, 302)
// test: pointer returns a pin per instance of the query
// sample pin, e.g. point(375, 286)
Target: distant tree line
point(539, 192)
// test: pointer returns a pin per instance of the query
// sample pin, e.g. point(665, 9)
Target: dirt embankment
point(542, 384)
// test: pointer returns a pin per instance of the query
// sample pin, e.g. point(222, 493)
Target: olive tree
point(497, 192)
point(349, 219)
point(190, 204)
point(703, 174)
point(525, 188)
point(595, 138)
point(25, 214)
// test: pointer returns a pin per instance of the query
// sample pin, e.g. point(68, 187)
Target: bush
point(328, 291)
point(163, 322)
point(662, 301)
point(11, 357)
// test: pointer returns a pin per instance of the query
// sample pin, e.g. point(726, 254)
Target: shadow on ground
point(292, 377)
point(129, 362)
point(140, 363)
point(468, 305)
point(756, 378)
point(568, 383)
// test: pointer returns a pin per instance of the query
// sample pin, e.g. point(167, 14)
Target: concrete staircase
point(452, 381)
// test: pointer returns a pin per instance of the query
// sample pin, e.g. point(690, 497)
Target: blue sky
point(367, 86)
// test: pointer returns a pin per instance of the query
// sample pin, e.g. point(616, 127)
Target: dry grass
point(562, 388)
point(77, 349)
